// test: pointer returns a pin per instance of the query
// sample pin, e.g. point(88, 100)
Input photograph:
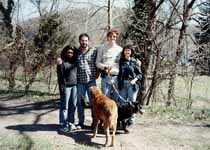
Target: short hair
point(112, 31)
point(83, 35)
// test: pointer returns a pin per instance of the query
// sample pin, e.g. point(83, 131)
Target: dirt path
point(39, 122)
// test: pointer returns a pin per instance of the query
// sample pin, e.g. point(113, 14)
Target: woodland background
point(170, 37)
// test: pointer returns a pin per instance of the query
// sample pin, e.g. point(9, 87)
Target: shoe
point(64, 129)
point(72, 127)
point(79, 127)
point(142, 111)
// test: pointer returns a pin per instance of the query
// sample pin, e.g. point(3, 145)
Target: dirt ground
point(39, 121)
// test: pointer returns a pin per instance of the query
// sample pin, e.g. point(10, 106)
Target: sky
point(26, 9)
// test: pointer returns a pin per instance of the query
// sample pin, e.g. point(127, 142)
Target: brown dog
point(104, 109)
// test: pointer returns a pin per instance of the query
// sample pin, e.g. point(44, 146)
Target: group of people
point(77, 71)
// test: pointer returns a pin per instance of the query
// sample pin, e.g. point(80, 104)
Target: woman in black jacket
point(67, 80)
point(129, 77)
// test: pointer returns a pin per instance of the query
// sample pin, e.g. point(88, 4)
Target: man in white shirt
point(107, 60)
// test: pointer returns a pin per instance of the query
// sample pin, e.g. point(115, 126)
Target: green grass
point(180, 115)
point(200, 89)
point(21, 142)
point(201, 147)
point(171, 113)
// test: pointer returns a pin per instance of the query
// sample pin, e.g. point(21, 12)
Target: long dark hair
point(64, 53)
point(122, 57)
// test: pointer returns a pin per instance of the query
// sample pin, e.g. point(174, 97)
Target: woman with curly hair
point(67, 80)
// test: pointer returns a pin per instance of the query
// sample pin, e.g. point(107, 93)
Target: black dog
point(125, 111)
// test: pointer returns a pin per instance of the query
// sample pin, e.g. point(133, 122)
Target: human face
point(70, 53)
point(112, 38)
point(127, 53)
point(84, 42)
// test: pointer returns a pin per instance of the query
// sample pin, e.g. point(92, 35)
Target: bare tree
point(109, 11)
point(183, 18)
point(142, 33)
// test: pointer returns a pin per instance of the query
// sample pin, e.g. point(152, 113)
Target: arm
point(60, 78)
point(99, 59)
point(137, 71)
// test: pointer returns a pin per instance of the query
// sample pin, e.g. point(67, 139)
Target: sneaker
point(79, 127)
point(72, 127)
point(142, 111)
point(64, 129)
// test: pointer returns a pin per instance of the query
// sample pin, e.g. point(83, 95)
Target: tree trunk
point(109, 11)
point(182, 31)
point(32, 78)
point(148, 45)
point(171, 86)
point(190, 90)
point(154, 78)
point(30, 82)
point(11, 75)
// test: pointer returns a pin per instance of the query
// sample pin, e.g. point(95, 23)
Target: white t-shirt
point(109, 57)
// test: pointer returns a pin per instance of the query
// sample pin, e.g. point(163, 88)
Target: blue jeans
point(107, 87)
point(82, 89)
point(68, 105)
point(129, 94)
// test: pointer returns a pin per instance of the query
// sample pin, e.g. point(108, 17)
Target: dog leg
point(119, 125)
point(124, 125)
point(113, 132)
point(106, 130)
point(95, 125)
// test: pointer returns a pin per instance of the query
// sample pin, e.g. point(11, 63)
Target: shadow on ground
point(82, 137)
point(9, 95)
point(33, 127)
point(25, 108)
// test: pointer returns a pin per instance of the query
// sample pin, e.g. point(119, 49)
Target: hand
point(107, 69)
point(59, 61)
point(133, 81)
point(138, 62)
point(62, 88)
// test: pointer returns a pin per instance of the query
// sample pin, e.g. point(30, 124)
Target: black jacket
point(134, 71)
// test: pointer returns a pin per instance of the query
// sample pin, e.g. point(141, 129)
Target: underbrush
point(180, 115)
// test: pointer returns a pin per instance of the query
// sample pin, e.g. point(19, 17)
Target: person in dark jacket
point(67, 80)
point(129, 77)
